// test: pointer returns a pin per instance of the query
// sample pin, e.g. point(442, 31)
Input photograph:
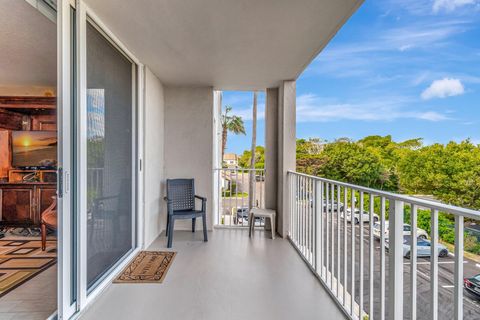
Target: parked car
point(242, 214)
point(356, 216)
point(336, 206)
point(472, 285)
point(259, 178)
point(423, 247)
point(407, 230)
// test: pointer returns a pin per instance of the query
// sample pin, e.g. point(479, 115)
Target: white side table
point(261, 213)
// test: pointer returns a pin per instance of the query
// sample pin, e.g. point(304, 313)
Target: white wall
point(154, 165)
point(189, 142)
point(271, 148)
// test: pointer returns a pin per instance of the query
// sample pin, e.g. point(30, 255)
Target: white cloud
point(375, 54)
point(450, 5)
point(246, 112)
point(311, 108)
point(446, 87)
point(405, 47)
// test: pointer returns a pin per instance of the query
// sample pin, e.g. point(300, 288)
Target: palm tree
point(251, 182)
point(230, 123)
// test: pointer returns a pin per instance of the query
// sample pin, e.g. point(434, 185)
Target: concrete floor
point(230, 277)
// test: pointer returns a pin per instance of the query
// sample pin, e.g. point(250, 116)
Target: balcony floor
point(230, 277)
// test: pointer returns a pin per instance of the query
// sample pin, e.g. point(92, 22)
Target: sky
point(406, 68)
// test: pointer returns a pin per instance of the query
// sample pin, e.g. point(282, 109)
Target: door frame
point(66, 82)
point(65, 276)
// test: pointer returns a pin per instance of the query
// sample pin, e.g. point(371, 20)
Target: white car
point(407, 231)
point(423, 248)
point(356, 216)
point(336, 205)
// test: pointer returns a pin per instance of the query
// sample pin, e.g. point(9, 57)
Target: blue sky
point(409, 68)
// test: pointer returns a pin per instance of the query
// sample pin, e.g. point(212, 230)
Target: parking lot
point(446, 266)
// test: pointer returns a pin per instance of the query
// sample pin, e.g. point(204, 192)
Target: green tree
point(245, 159)
point(349, 162)
point(449, 172)
point(230, 123)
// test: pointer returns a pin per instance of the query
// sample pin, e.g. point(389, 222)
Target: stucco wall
point(189, 141)
point(155, 214)
point(271, 148)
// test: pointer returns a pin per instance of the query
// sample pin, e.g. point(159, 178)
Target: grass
point(235, 195)
point(466, 254)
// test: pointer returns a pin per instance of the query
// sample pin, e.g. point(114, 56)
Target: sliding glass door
point(99, 156)
point(110, 150)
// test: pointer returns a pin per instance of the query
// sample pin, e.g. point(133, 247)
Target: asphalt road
point(446, 267)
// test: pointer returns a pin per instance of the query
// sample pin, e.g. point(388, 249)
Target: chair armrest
point(169, 205)
point(201, 198)
point(204, 202)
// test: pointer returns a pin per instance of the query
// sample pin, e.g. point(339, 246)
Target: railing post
point(458, 275)
point(395, 266)
point(318, 227)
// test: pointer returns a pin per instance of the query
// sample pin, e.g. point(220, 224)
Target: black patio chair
point(181, 205)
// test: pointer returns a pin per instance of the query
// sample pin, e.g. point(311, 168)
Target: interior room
point(28, 160)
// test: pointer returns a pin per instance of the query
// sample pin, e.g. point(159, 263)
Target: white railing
point(356, 269)
point(234, 196)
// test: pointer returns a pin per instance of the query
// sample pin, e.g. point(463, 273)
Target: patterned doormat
point(147, 267)
point(21, 260)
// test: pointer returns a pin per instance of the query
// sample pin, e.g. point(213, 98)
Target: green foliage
point(446, 230)
point(244, 159)
point(343, 160)
point(232, 191)
point(471, 244)
point(232, 123)
point(449, 172)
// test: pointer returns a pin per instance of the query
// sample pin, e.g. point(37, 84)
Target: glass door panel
point(110, 154)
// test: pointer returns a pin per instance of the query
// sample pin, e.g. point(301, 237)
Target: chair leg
point(44, 236)
point(250, 224)
point(204, 220)
point(272, 222)
point(194, 221)
point(170, 232)
point(168, 224)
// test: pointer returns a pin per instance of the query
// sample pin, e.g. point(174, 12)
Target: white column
point(286, 150)
point(280, 147)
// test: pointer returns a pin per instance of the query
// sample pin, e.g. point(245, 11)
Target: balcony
point(327, 267)
point(230, 277)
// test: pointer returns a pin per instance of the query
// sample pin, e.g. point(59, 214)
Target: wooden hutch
point(24, 194)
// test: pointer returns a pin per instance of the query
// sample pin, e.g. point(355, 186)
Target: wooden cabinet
point(23, 203)
point(44, 122)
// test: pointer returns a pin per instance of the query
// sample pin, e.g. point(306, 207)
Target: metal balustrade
point(234, 196)
point(323, 227)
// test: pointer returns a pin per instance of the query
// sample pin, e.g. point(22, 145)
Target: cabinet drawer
point(17, 205)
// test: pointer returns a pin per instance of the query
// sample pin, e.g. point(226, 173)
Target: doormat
point(147, 267)
point(21, 260)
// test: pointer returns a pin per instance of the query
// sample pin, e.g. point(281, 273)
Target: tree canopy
point(245, 158)
point(449, 172)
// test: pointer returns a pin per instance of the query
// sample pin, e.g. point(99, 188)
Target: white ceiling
point(27, 46)
point(228, 44)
